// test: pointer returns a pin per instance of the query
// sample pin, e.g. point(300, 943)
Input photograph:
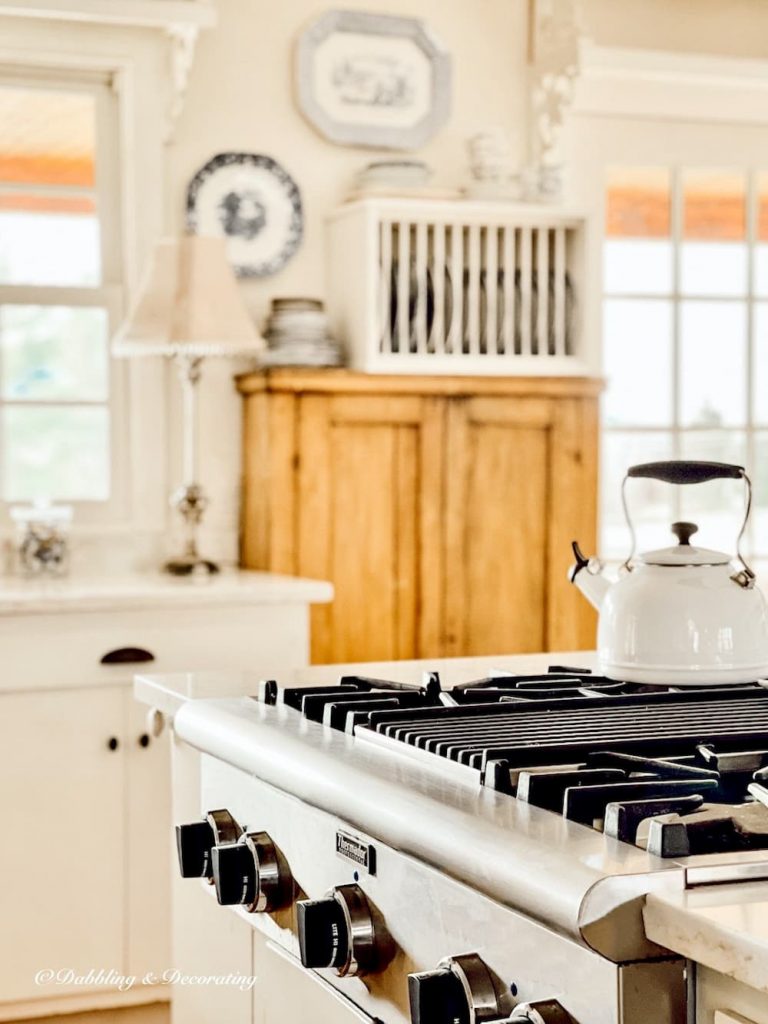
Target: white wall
point(733, 28)
point(241, 97)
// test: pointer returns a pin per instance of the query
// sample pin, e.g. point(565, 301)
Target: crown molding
point(160, 14)
point(617, 82)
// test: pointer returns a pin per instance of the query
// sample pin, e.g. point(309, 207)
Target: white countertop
point(157, 590)
point(724, 927)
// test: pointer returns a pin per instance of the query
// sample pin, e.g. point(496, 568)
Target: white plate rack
point(458, 286)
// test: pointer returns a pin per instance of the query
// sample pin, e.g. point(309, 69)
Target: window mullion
point(676, 228)
point(752, 200)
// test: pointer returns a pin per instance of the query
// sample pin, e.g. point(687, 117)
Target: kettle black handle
point(691, 472)
point(686, 472)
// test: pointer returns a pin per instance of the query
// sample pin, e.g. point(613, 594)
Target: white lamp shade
point(189, 304)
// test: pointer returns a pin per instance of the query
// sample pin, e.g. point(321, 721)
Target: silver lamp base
point(189, 565)
point(190, 502)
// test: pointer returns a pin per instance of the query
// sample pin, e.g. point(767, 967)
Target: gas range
point(471, 853)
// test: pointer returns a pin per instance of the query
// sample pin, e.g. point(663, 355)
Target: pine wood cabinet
point(441, 508)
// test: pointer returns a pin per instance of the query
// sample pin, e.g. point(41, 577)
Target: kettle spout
point(587, 574)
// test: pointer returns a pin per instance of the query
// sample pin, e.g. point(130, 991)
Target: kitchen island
point(422, 841)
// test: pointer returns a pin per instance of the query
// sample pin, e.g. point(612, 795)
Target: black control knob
point(195, 840)
point(343, 931)
point(323, 933)
point(438, 997)
point(460, 991)
point(234, 874)
point(251, 873)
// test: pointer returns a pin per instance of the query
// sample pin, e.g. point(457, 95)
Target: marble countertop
point(724, 927)
point(157, 590)
point(168, 692)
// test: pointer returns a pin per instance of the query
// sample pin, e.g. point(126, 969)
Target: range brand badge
point(357, 850)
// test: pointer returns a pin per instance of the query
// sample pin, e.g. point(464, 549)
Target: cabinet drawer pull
point(113, 742)
point(127, 656)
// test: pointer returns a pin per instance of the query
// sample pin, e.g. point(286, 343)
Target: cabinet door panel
point(62, 855)
point(496, 526)
point(520, 485)
point(150, 843)
point(369, 485)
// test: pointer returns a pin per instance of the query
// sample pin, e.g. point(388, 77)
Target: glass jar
point(42, 539)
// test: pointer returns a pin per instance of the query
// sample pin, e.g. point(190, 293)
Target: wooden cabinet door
point(369, 511)
point(62, 858)
point(520, 486)
point(151, 853)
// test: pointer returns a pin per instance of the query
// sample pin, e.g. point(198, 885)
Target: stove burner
point(678, 771)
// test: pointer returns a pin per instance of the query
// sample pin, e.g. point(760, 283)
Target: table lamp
point(189, 308)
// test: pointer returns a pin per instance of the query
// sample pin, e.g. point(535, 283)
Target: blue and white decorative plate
point(253, 202)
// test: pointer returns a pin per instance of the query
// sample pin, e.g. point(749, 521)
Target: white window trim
point(617, 82)
point(139, 65)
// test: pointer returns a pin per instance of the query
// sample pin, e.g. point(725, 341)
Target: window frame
point(676, 430)
point(146, 49)
point(109, 294)
point(623, 97)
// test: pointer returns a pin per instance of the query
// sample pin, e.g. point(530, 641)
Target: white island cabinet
point(85, 791)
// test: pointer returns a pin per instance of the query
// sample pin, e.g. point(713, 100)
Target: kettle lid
point(684, 553)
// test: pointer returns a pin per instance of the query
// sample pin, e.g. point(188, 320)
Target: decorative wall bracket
point(182, 38)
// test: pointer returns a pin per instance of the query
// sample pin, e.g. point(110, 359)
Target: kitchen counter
point(82, 632)
point(724, 927)
point(156, 590)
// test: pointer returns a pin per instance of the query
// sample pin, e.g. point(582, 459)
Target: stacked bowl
point(297, 335)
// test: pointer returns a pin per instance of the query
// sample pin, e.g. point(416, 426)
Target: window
point(685, 335)
point(59, 278)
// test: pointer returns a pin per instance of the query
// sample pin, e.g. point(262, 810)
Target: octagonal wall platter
point(373, 79)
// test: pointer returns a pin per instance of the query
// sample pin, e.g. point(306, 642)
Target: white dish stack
point(297, 335)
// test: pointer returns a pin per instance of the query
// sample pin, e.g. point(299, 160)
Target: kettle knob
point(684, 531)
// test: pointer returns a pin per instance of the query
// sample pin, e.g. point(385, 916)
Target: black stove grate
point(528, 734)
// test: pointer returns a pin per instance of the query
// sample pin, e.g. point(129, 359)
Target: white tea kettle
point(681, 615)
